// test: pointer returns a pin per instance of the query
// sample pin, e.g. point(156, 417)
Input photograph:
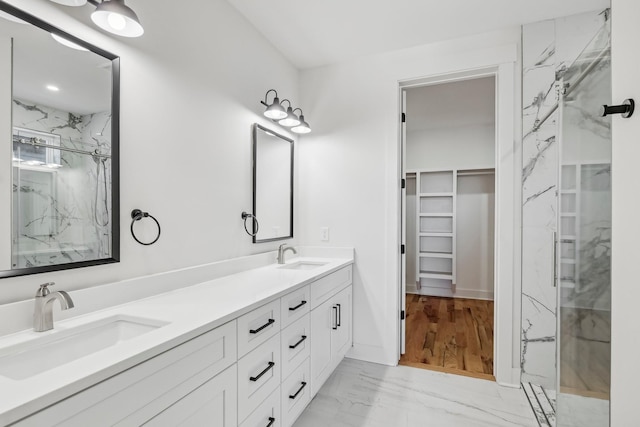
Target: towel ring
point(255, 224)
point(137, 215)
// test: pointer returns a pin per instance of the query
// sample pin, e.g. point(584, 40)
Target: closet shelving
point(569, 254)
point(436, 226)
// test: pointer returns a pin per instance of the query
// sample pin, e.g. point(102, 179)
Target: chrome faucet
point(43, 313)
point(282, 249)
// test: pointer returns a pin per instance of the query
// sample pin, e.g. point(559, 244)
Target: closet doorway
point(449, 152)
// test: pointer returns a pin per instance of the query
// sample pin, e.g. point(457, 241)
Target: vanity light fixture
point(274, 111)
point(291, 119)
point(111, 15)
point(303, 127)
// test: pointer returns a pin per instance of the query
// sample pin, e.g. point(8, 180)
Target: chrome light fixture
point(303, 127)
point(274, 111)
point(112, 16)
point(291, 119)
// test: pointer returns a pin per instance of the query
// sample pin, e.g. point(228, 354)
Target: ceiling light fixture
point(111, 15)
point(53, 88)
point(291, 119)
point(303, 127)
point(274, 111)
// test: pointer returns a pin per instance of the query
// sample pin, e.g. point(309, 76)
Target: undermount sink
point(303, 265)
point(63, 346)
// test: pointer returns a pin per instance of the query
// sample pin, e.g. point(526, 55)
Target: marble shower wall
point(79, 227)
point(548, 50)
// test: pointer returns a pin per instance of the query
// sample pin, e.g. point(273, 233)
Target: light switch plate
point(324, 234)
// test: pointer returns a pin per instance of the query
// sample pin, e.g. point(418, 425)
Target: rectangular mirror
point(59, 161)
point(272, 185)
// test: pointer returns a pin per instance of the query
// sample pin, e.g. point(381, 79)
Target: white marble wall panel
point(77, 234)
point(549, 48)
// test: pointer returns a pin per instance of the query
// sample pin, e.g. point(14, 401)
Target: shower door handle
point(626, 109)
point(554, 251)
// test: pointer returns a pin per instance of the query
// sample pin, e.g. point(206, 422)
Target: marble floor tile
point(362, 394)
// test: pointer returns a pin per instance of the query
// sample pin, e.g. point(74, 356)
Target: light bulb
point(117, 22)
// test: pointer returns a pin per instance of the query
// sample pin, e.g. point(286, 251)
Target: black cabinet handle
point(269, 323)
point(297, 306)
point(339, 315)
point(293, 396)
point(335, 318)
point(304, 337)
point(271, 421)
point(257, 377)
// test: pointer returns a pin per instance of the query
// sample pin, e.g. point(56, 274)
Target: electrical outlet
point(324, 234)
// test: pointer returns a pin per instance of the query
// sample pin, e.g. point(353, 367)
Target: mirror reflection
point(272, 185)
point(62, 145)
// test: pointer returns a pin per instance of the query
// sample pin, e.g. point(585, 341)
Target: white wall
point(625, 62)
point(349, 170)
point(188, 99)
point(460, 147)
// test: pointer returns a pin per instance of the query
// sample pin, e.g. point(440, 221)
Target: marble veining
point(366, 394)
point(549, 50)
point(66, 205)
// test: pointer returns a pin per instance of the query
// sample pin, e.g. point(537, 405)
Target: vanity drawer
point(294, 306)
point(136, 395)
point(297, 336)
point(258, 326)
point(258, 376)
point(296, 393)
point(267, 414)
point(323, 288)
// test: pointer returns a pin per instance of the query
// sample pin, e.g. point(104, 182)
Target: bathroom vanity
point(247, 349)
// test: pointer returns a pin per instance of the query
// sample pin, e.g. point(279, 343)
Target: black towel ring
point(256, 225)
point(137, 215)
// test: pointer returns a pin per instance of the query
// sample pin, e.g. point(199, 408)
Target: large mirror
point(272, 185)
point(59, 161)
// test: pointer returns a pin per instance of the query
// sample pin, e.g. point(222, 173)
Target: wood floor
point(450, 334)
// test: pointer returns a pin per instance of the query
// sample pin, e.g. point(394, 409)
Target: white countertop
point(188, 312)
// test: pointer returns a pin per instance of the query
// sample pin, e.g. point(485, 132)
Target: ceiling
point(321, 32)
point(456, 104)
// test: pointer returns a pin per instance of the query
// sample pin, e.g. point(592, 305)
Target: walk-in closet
point(450, 226)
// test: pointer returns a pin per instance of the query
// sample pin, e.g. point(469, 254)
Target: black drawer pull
point(304, 337)
point(269, 323)
point(335, 311)
point(339, 314)
point(271, 421)
point(297, 306)
point(293, 396)
point(257, 377)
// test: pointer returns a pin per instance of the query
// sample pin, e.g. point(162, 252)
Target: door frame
point(507, 256)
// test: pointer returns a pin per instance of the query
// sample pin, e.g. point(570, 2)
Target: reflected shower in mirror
point(272, 185)
point(64, 150)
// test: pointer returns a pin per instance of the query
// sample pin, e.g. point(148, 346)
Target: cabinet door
point(322, 322)
point(212, 404)
point(341, 336)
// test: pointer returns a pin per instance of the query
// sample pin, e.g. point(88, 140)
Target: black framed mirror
point(272, 185)
point(59, 165)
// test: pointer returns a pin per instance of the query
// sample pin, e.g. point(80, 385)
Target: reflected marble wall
point(548, 49)
point(80, 232)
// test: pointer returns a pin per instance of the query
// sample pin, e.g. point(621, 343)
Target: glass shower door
point(584, 241)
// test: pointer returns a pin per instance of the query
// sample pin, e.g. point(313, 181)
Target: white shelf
point(565, 284)
point(436, 254)
point(568, 214)
point(568, 192)
point(435, 275)
point(437, 214)
point(435, 234)
point(436, 194)
point(567, 261)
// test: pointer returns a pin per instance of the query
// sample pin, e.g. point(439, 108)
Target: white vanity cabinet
point(258, 370)
point(173, 379)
